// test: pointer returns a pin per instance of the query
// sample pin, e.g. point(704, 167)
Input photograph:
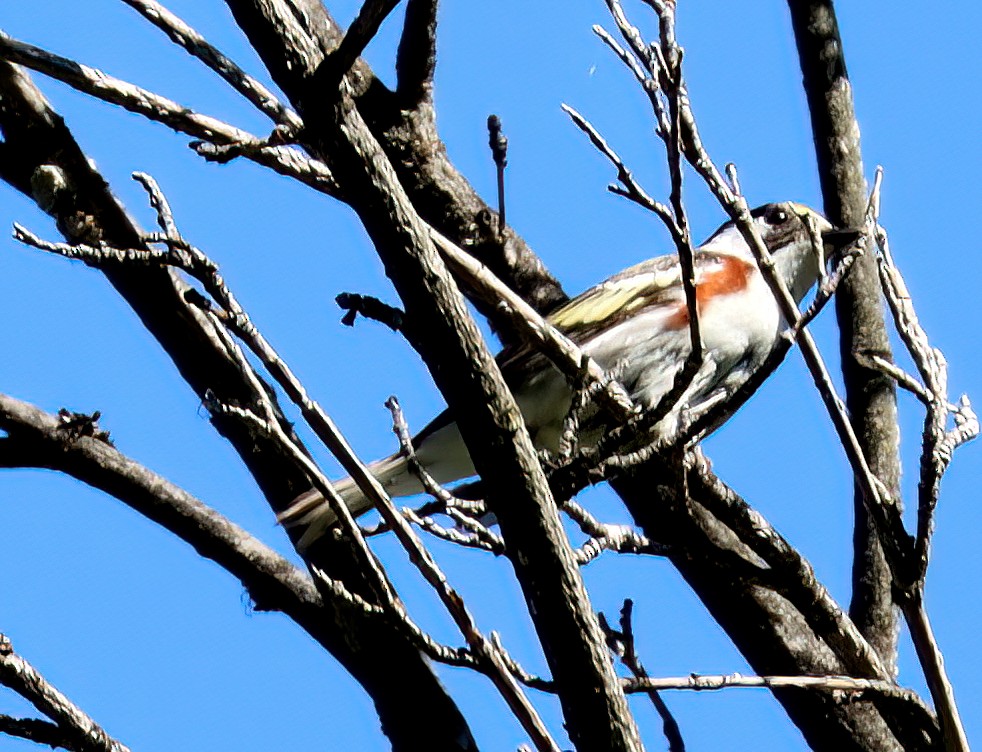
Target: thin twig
point(606, 537)
point(621, 643)
point(281, 159)
point(629, 187)
point(932, 663)
point(479, 536)
point(499, 153)
point(196, 45)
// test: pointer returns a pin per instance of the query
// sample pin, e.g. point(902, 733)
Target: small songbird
point(636, 325)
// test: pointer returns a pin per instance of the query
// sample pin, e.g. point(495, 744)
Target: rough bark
point(371, 649)
point(770, 615)
point(441, 329)
point(870, 395)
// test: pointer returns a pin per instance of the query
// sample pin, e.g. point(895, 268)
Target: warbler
point(635, 324)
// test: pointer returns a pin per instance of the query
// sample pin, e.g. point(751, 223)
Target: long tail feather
point(310, 509)
point(442, 453)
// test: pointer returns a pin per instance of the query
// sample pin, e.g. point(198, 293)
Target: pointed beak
point(837, 240)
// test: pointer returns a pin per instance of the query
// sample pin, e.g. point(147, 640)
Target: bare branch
point(336, 65)
point(606, 537)
point(621, 643)
point(937, 447)
point(629, 188)
point(937, 444)
point(35, 730)
point(480, 536)
point(280, 159)
point(37, 439)
point(932, 663)
point(499, 153)
point(881, 503)
point(194, 262)
point(447, 338)
point(492, 543)
point(846, 684)
point(870, 396)
point(196, 45)
point(85, 734)
point(565, 355)
point(416, 57)
point(371, 648)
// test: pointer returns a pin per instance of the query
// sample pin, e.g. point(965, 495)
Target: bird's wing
point(654, 282)
point(651, 282)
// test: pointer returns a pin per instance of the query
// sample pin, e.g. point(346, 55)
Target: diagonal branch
point(363, 29)
point(38, 439)
point(36, 141)
point(446, 336)
point(35, 730)
point(280, 159)
point(81, 732)
point(195, 44)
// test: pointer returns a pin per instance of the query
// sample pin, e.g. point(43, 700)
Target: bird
point(635, 325)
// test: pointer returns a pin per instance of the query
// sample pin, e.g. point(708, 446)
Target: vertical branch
point(499, 152)
point(870, 396)
point(416, 57)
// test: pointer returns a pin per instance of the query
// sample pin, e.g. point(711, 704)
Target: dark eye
point(776, 216)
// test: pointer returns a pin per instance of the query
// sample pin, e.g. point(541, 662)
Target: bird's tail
point(311, 510)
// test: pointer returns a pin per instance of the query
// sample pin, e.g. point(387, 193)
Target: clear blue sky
point(160, 646)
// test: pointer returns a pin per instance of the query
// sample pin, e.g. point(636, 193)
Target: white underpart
point(738, 333)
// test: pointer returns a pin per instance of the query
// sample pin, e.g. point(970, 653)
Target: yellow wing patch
point(627, 292)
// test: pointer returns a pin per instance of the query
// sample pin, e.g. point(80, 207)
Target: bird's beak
point(838, 240)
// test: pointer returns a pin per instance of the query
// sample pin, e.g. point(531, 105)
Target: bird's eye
point(776, 217)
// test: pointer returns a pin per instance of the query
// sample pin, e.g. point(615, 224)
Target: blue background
point(161, 647)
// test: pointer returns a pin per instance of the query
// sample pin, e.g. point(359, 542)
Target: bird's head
point(784, 229)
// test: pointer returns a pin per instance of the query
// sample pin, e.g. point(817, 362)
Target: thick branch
point(440, 327)
point(35, 138)
point(416, 58)
point(281, 159)
point(870, 396)
point(781, 619)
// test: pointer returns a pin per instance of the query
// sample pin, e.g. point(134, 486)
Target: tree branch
point(37, 141)
point(416, 57)
point(441, 329)
point(81, 732)
point(292, 51)
point(197, 46)
point(365, 26)
point(870, 396)
point(281, 159)
point(35, 730)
